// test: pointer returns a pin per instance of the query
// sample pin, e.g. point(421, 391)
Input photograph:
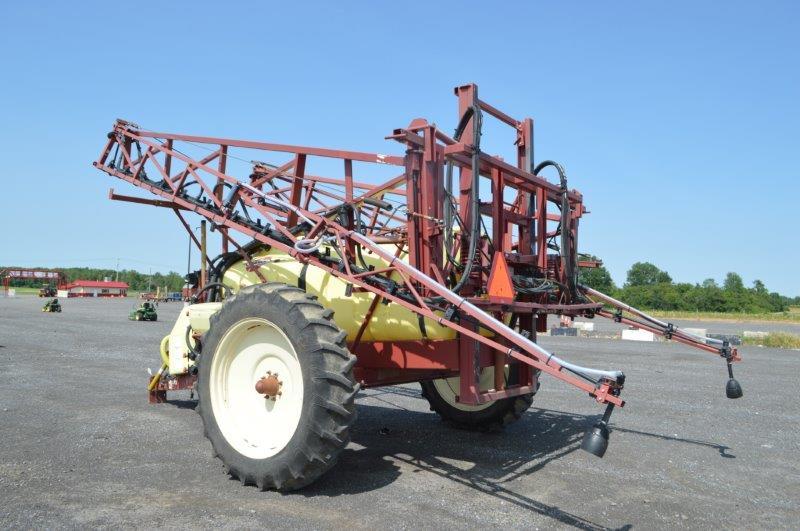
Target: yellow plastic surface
point(389, 322)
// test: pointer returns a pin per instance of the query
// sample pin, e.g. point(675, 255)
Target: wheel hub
point(269, 386)
point(253, 365)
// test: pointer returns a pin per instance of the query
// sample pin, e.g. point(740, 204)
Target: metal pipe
point(486, 320)
point(622, 306)
point(203, 260)
point(499, 371)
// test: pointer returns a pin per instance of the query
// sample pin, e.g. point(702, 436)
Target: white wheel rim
point(255, 426)
point(449, 389)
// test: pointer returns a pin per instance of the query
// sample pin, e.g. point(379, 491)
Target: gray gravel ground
point(82, 448)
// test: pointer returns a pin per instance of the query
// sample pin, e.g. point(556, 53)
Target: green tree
point(733, 282)
point(135, 280)
point(646, 274)
point(598, 278)
point(759, 287)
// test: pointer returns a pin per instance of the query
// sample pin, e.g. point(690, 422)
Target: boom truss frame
point(283, 206)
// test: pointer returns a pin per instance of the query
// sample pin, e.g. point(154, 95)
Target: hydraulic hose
point(309, 246)
point(164, 350)
point(568, 260)
point(360, 228)
point(473, 112)
point(448, 183)
point(212, 285)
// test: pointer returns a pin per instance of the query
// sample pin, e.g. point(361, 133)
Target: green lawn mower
point(145, 312)
point(52, 306)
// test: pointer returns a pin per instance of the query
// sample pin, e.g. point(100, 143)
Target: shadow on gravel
point(183, 404)
point(591, 419)
point(486, 462)
point(721, 448)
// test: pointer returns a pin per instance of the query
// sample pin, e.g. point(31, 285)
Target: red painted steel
point(22, 273)
point(450, 222)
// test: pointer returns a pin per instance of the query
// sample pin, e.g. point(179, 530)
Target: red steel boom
point(491, 246)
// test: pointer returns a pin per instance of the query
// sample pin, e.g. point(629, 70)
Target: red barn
point(97, 288)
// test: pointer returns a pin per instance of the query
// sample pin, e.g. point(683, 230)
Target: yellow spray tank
point(390, 322)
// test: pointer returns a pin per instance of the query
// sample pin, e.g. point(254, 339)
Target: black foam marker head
point(596, 440)
point(733, 389)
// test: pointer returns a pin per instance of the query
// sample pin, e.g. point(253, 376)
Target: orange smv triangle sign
point(501, 288)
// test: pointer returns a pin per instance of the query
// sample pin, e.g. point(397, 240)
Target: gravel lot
point(82, 448)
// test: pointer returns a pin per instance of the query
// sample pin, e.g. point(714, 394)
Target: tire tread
point(332, 410)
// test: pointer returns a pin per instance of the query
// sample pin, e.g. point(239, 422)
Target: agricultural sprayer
point(442, 275)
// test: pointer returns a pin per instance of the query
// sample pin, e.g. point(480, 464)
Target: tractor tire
point(493, 416)
point(287, 440)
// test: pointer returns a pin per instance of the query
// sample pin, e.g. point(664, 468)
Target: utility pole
point(117, 271)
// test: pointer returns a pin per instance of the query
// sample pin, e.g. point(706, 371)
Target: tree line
point(136, 281)
point(648, 287)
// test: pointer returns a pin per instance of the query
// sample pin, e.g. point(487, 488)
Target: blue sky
point(677, 120)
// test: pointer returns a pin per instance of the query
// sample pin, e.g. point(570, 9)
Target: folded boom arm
point(492, 283)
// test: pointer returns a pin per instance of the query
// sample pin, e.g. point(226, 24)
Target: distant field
point(25, 291)
point(775, 340)
point(792, 316)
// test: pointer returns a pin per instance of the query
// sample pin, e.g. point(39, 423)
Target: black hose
point(223, 261)
point(473, 112)
point(448, 206)
point(561, 173)
point(239, 200)
point(212, 285)
point(568, 258)
point(360, 229)
point(193, 354)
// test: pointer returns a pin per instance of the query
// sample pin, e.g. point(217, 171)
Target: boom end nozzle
point(733, 389)
point(596, 440)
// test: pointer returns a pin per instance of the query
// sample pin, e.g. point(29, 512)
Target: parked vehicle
point(48, 291)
